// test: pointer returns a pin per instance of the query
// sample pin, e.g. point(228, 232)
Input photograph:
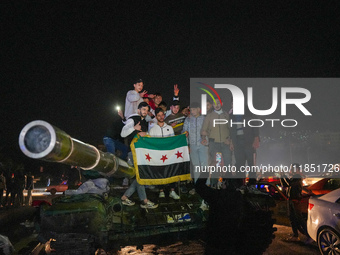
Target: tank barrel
point(40, 140)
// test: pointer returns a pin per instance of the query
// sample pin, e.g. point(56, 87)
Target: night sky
point(70, 62)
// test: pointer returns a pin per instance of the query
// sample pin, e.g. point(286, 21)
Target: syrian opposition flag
point(161, 160)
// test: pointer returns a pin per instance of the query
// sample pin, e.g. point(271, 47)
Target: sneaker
point(204, 206)
point(149, 205)
point(178, 218)
point(128, 202)
point(186, 217)
point(169, 219)
point(174, 195)
point(161, 194)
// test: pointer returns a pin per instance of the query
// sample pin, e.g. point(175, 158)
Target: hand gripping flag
point(161, 160)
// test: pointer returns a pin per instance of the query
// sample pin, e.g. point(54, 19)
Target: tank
point(78, 224)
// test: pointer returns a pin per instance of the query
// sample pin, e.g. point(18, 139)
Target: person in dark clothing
point(176, 118)
point(20, 186)
point(294, 193)
point(2, 186)
point(245, 140)
point(10, 184)
point(112, 139)
point(29, 187)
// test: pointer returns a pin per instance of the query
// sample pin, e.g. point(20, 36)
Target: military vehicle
point(78, 224)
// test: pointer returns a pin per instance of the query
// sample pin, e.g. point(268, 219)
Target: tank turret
point(40, 140)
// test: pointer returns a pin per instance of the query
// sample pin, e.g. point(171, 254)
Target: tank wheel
point(328, 241)
point(53, 191)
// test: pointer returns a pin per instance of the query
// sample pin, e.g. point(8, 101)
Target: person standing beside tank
point(294, 193)
point(245, 140)
point(2, 187)
point(29, 187)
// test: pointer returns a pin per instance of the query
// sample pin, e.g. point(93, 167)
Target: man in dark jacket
point(245, 140)
point(136, 124)
point(112, 139)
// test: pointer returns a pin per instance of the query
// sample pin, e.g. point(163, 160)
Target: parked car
point(324, 186)
point(53, 189)
point(323, 221)
point(274, 189)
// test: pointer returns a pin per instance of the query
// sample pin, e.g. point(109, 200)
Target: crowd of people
point(14, 185)
point(147, 114)
point(209, 145)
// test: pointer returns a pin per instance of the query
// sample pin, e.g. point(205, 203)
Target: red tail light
point(310, 206)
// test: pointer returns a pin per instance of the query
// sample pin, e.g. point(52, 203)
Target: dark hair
point(158, 94)
point(175, 102)
point(162, 103)
point(158, 110)
point(143, 104)
point(138, 81)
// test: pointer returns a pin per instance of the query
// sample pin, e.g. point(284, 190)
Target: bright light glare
point(118, 107)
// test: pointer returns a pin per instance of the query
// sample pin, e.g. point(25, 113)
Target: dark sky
point(70, 62)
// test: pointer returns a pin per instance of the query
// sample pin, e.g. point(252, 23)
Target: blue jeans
point(140, 190)
point(199, 157)
point(112, 145)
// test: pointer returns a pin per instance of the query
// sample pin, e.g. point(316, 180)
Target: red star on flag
point(148, 157)
point(164, 158)
point(179, 154)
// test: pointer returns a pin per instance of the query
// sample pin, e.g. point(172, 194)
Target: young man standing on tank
point(161, 129)
point(137, 124)
point(218, 137)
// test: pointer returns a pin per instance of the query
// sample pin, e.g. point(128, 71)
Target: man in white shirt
point(161, 129)
point(134, 98)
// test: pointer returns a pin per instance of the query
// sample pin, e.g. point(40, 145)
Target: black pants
point(244, 153)
point(296, 219)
